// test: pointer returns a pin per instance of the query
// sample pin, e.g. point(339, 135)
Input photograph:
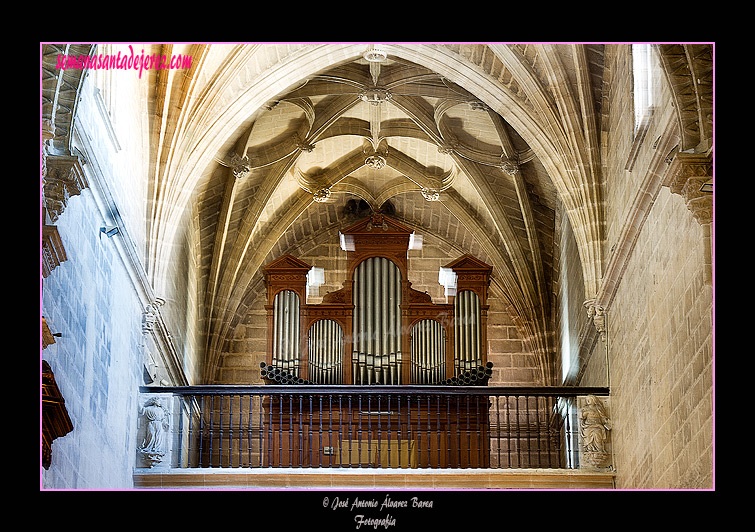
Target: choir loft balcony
point(349, 436)
point(375, 385)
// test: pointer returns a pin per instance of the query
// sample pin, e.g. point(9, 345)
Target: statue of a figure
point(153, 446)
point(594, 426)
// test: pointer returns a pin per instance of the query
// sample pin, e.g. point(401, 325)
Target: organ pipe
point(428, 353)
point(325, 352)
point(286, 327)
point(467, 331)
point(377, 325)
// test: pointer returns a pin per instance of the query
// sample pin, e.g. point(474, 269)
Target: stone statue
point(154, 444)
point(594, 427)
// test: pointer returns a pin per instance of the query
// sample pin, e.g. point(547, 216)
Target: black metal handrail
point(417, 426)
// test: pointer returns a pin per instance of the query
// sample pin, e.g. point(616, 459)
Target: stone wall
point(659, 322)
point(96, 298)
point(89, 301)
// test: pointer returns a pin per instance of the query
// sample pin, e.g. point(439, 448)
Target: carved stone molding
point(597, 315)
point(150, 315)
point(688, 174)
point(53, 252)
point(65, 178)
point(241, 166)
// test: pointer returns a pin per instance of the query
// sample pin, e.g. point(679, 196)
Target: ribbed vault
point(492, 137)
point(255, 138)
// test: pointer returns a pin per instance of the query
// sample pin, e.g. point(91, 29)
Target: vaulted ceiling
point(382, 131)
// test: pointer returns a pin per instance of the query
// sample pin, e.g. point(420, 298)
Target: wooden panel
point(443, 433)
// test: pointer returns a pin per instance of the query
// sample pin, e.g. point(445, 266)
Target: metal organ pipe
point(428, 352)
point(325, 352)
point(377, 324)
point(286, 327)
point(467, 332)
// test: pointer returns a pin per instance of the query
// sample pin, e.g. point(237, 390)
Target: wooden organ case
point(376, 330)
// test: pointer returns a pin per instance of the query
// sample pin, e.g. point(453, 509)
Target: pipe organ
point(376, 335)
point(376, 329)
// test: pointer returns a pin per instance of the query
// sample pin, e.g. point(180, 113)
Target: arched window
point(643, 84)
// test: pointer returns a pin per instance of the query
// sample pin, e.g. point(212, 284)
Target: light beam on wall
point(347, 242)
point(415, 241)
point(447, 279)
point(315, 278)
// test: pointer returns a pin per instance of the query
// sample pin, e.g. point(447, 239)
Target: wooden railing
point(313, 426)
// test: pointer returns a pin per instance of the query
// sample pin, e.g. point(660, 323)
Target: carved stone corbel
point(597, 315)
point(688, 175)
point(53, 252)
point(64, 178)
point(149, 316)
